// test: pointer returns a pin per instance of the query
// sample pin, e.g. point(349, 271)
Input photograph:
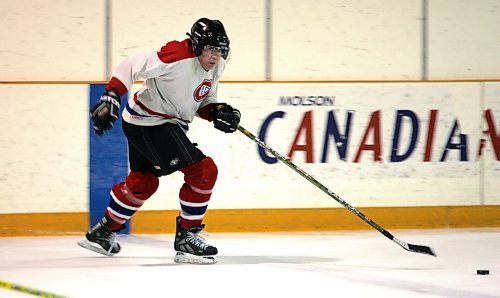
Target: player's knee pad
point(127, 197)
point(202, 174)
point(141, 186)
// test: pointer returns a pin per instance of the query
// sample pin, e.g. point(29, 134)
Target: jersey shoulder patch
point(175, 51)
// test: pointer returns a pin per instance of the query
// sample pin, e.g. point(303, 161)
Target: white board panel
point(491, 154)
point(44, 148)
point(139, 28)
point(463, 39)
point(52, 40)
point(353, 40)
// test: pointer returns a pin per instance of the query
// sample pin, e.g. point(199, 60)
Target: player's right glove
point(105, 112)
point(226, 118)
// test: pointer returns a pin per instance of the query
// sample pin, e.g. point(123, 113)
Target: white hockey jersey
point(176, 87)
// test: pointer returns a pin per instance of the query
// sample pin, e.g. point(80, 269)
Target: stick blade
point(426, 250)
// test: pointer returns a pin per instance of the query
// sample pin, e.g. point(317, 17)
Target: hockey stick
point(409, 247)
point(28, 290)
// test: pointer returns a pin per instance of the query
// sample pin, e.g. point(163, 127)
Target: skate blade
point(94, 247)
point(186, 258)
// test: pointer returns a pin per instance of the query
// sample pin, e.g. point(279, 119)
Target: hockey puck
point(483, 272)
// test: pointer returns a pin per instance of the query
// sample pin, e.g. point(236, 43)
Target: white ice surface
point(333, 264)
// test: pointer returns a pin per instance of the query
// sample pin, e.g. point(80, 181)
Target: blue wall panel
point(108, 161)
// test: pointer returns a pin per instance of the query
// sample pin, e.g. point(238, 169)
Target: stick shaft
point(315, 182)
point(410, 247)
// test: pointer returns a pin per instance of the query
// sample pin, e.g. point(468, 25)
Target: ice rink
point(326, 264)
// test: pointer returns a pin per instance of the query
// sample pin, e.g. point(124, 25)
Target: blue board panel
point(108, 161)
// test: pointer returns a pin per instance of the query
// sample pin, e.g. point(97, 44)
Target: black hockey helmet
point(209, 32)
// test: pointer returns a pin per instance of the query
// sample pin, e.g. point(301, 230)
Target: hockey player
point(180, 82)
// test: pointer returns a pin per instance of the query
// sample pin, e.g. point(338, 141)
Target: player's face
point(209, 57)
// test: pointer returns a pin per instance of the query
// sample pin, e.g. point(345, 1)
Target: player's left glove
point(105, 112)
point(226, 118)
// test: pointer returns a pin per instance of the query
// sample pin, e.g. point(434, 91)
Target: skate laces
point(194, 238)
point(112, 241)
point(106, 235)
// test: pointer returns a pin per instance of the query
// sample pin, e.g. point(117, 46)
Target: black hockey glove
point(105, 112)
point(226, 118)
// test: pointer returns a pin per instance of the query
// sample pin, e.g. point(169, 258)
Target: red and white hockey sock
point(127, 197)
point(195, 193)
point(194, 203)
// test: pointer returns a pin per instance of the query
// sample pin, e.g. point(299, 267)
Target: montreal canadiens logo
point(201, 92)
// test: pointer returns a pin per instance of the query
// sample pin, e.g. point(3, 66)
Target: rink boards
point(409, 154)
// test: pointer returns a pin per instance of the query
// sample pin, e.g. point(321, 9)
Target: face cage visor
point(217, 50)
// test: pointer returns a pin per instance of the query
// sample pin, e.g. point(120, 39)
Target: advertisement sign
point(397, 144)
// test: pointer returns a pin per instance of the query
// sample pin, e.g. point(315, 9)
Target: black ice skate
point(191, 247)
point(101, 239)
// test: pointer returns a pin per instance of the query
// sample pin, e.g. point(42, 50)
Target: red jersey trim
point(117, 85)
point(175, 51)
point(151, 112)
